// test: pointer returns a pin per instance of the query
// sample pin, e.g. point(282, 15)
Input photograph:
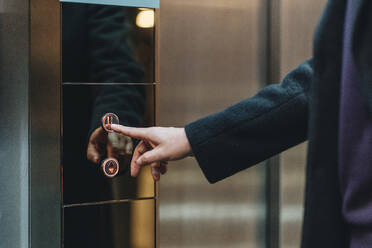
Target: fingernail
point(156, 176)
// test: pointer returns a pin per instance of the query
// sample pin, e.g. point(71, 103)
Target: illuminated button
point(110, 167)
point(109, 119)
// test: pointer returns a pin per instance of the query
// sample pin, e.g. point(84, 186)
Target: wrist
point(186, 144)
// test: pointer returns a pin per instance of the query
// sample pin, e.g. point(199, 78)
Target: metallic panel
point(212, 54)
point(45, 86)
point(103, 43)
point(14, 146)
point(133, 3)
point(129, 224)
point(156, 119)
point(297, 24)
point(83, 107)
point(273, 164)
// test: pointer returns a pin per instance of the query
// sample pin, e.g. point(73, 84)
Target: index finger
point(134, 132)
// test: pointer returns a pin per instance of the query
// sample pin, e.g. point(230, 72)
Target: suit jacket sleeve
point(254, 129)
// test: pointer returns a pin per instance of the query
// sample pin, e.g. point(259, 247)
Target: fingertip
point(163, 169)
point(93, 157)
point(155, 173)
point(115, 126)
point(134, 170)
point(96, 159)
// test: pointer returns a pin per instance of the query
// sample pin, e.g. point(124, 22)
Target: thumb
point(92, 154)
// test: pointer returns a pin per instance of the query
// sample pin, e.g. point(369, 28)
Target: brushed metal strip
point(14, 121)
point(131, 3)
point(105, 202)
point(156, 110)
point(45, 113)
point(273, 164)
point(104, 84)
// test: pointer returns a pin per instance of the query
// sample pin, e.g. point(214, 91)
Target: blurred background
point(214, 53)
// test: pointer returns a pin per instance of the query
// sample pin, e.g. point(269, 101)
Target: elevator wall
point(212, 55)
point(298, 20)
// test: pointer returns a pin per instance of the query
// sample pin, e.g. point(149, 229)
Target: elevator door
point(108, 76)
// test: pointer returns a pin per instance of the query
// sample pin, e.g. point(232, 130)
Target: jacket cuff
point(193, 133)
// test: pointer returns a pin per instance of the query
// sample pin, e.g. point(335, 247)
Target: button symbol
point(109, 119)
point(110, 167)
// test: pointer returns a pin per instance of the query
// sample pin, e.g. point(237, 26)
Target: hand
point(158, 146)
point(114, 145)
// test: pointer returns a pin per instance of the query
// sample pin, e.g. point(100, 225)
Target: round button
point(108, 119)
point(110, 167)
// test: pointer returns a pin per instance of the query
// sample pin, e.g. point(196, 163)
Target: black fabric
point(255, 129)
point(304, 105)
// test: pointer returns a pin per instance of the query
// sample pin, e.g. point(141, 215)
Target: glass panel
point(102, 43)
point(134, 3)
point(83, 138)
point(130, 224)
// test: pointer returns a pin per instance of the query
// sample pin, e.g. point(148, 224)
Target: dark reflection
point(106, 59)
point(130, 224)
point(83, 108)
point(103, 44)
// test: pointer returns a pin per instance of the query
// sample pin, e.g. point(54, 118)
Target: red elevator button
point(110, 167)
point(108, 119)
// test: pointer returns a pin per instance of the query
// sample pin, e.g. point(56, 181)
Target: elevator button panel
point(96, 161)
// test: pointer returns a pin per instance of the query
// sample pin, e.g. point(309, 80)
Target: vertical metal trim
point(273, 164)
point(45, 113)
point(273, 202)
point(156, 100)
point(14, 147)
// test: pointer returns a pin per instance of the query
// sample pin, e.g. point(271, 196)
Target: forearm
point(254, 129)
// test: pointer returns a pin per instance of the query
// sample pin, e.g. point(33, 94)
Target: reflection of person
point(96, 45)
point(327, 100)
point(97, 49)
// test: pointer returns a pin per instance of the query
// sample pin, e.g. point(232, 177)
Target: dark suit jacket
point(304, 106)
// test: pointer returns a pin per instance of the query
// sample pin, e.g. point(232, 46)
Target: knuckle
point(163, 155)
point(145, 159)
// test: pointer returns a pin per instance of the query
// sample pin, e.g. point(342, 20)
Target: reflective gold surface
point(83, 107)
point(130, 224)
